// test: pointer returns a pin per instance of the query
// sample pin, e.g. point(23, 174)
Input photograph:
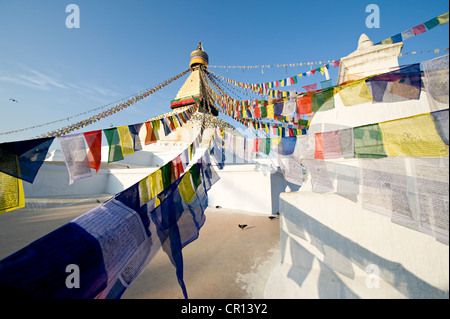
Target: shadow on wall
point(278, 185)
point(340, 254)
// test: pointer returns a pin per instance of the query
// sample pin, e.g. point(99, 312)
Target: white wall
point(328, 242)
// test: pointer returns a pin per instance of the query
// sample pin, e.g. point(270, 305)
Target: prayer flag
point(319, 152)
point(126, 142)
point(11, 193)
point(150, 138)
point(311, 87)
point(187, 191)
point(399, 85)
point(368, 141)
point(326, 84)
point(322, 100)
point(397, 38)
point(436, 82)
point(414, 136)
point(115, 149)
point(270, 111)
point(419, 29)
point(134, 131)
point(23, 159)
point(441, 123)
point(42, 266)
point(430, 24)
point(289, 107)
point(407, 34)
point(94, 142)
point(354, 93)
point(75, 156)
point(304, 104)
point(443, 18)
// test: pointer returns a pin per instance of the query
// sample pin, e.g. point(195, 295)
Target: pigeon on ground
point(218, 207)
point(98, 201)
point(242, 226)
point(271, 217)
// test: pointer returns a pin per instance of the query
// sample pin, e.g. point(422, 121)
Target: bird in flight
point(14, 100)
point(242, 226)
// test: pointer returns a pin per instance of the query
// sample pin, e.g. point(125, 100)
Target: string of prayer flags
point(94, 142)
point(419, 29)
point(115, 149)
point(414, 136)
point(23, 159)
point(74, 153)
point(11, 193)
point(93, 119)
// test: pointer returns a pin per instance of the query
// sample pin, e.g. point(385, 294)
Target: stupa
point(193, 90)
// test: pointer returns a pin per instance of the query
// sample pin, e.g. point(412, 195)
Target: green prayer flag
point(115, 149)
point(432, 23)
point(166, 171)
point(263, 111)
point(195, 173)
point(323, 100)
point(266, 149)
point(368, 141)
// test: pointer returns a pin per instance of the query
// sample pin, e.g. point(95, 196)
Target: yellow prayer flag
point(144, 190)
point(125, 140)
point(156, 183)
point(274, 141)
point(443, 18)
point(414, 136)
point(354, 93)
point(11, 193)
point(270, 111)
point(387, 41)
point(322, 70)
point(187, 191)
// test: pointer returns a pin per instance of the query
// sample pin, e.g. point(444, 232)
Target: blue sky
point(123, 47)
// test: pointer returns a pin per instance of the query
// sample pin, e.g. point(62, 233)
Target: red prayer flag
point(419, 29)
point(304, 104)
point(177, 168)
point(257, 113)
point(336, 63)
point(94, 155)
point(256, 145)
point(291, 131)
point(313, 71)
point(311, 87)
point(318, 153)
